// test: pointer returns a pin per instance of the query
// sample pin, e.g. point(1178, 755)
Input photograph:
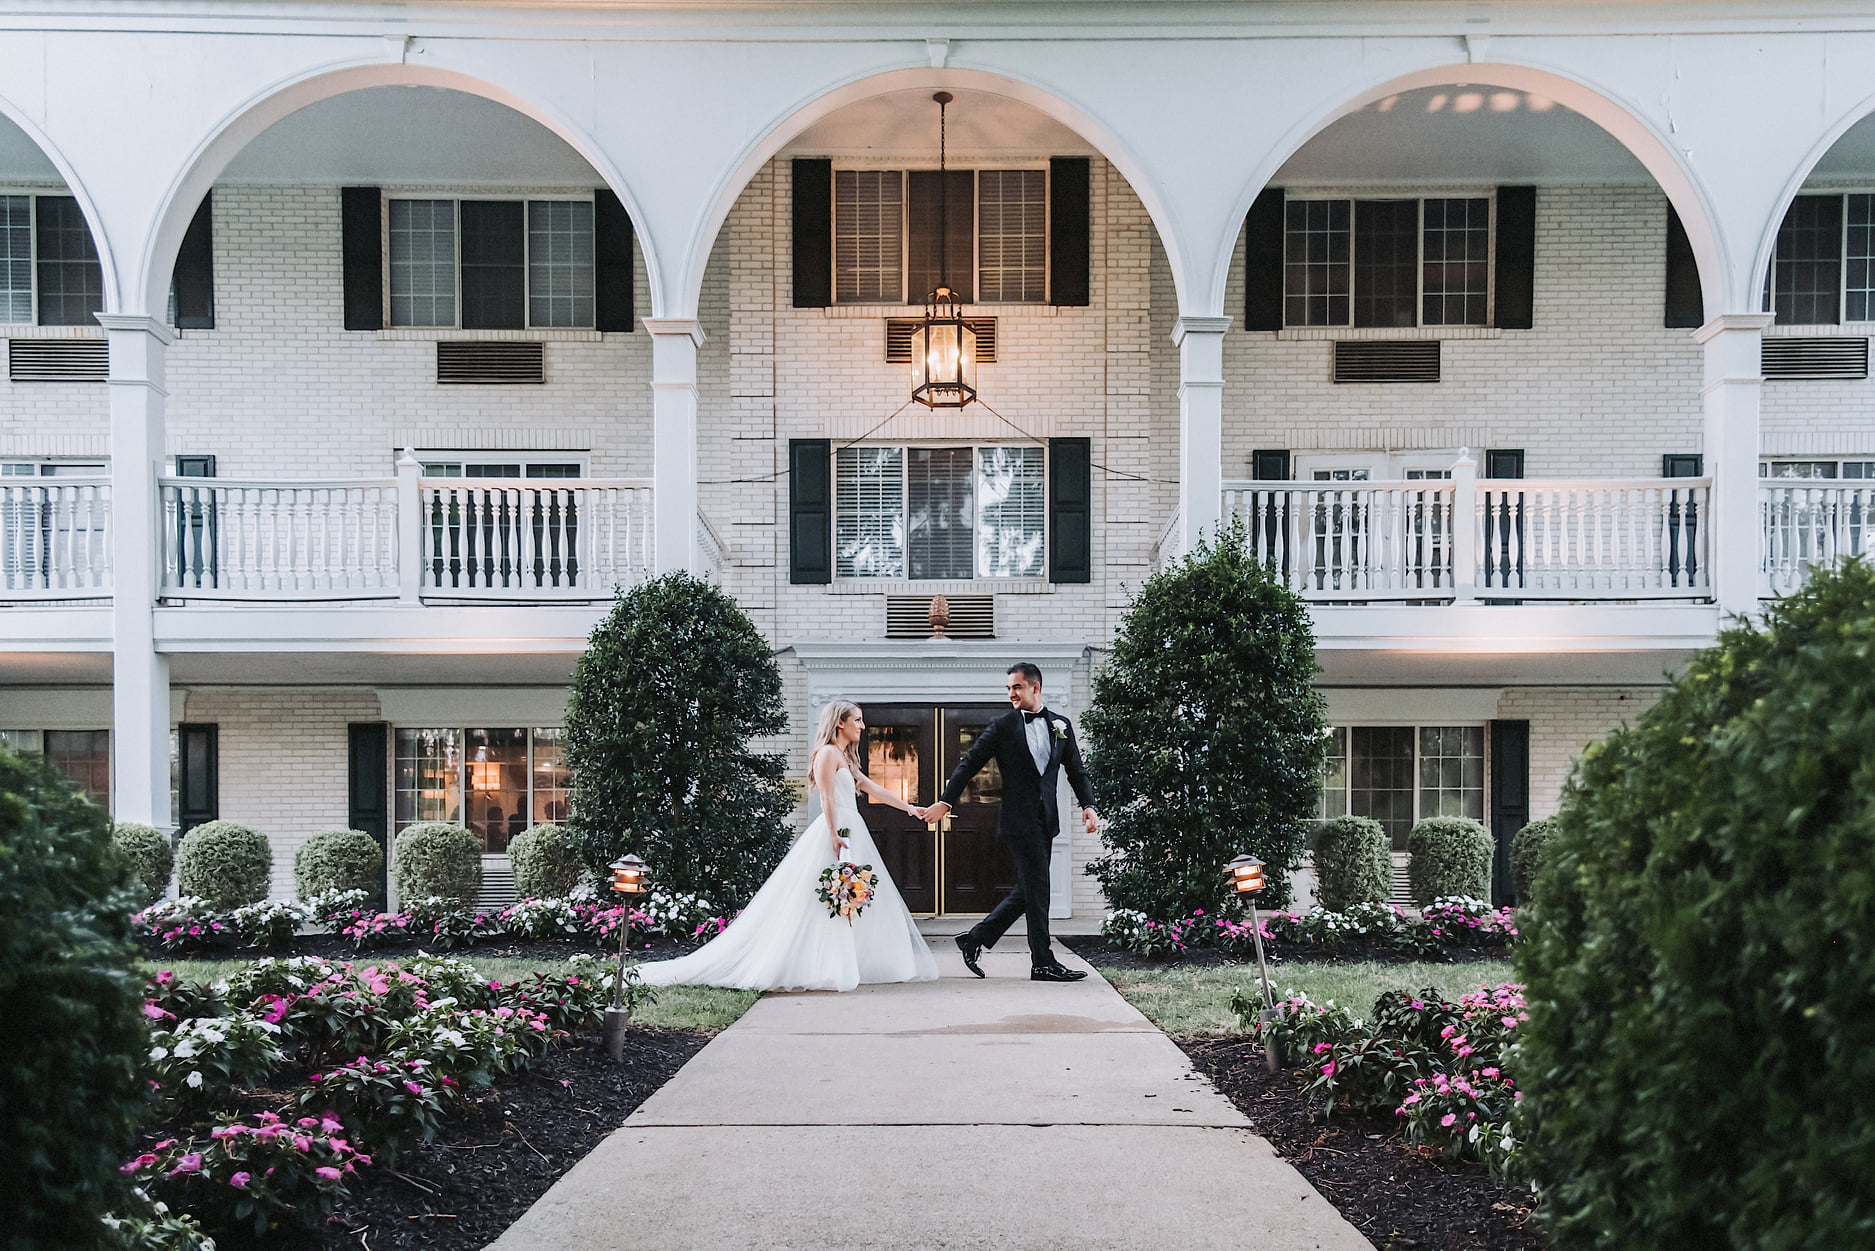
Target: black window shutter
point(198, 799)
point(1069, 228)
point(1070, 510)
point(925, 269)
point(367, 782)
point(1682, 465)
point(1503, 462)
point(1516, 258)
point(813, 232)
point(1263, 262)
point(494, 264)
point(1686, 302)
point(361, 227)
point(1270, 464)
point(1510, 800)
point(613, 308)
point(810, 511)
point(194, 275)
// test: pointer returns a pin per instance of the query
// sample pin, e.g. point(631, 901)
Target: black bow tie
point(1030, 716)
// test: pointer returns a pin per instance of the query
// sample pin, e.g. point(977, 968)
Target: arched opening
point(56, 274)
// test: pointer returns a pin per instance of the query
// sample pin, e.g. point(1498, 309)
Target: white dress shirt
point(1039, 746)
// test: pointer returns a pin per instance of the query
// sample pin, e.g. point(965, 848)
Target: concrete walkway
point(956, 1114)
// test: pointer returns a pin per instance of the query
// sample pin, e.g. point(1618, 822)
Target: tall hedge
point(436, 860)
point(1699, 1063)
point(151, 858)
point(546, 862)
point(339, 860)
point(1205, 734)
point(1449, 857)
point(228, 864)
point(1353, 863)
point(673, 685)
point(70, 998)
point(1528, 848)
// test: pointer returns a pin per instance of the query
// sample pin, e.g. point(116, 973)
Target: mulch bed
point(1096, 950)
point(1362, 1164)
point(337, 947)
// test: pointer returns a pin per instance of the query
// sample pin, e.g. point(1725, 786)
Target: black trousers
point(1029, 899)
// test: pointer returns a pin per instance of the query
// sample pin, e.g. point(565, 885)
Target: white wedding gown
point(784, 939)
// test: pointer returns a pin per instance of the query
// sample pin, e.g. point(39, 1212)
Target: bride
point(784, 939)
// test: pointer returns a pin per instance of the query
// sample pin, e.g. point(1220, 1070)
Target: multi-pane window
point(886, 227)
point(1387, 263)
point(939, 512)
point(83, 756)
point(1860, 470)
point(1399, 774)
point(1805, 284)
point(496, 782)
point(491, 264)
point(71, 280)
point(445, 465)
point(16, 258)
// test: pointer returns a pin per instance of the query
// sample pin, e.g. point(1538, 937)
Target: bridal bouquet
point(845, 888)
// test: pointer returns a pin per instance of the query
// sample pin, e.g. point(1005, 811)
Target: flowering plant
point(179, 924)
point(151, 1226)
point(675, 915)
point(203, 1058)
point(573, 1001)
point(390, 1104)
point(1472, 922)
point(473, 1045)
point(167, 997)
point(252, 1171)
point(541, 918)
point(845, 888)
point(1464, 1116)
point(335, 907)
point(270, 923)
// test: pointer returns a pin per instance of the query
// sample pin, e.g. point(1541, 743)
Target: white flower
point(194, 1080)
point(185, 1048)
point(158, 1053)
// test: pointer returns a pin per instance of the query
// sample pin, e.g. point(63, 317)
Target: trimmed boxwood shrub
point(1451, 856)
point(546, 862)
point(437, 859)
point(150, 855)
point(1527, 851)
point(338, 860)
point(227, 864)
point(1699, 1063)
point(1353, 864)
point(71, 1030)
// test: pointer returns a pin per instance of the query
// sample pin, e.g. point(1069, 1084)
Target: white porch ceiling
point(903, 125)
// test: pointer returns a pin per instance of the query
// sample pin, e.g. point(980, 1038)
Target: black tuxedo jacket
point(1029, 808)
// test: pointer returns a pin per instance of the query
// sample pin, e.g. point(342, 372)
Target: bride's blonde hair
point(831, 717)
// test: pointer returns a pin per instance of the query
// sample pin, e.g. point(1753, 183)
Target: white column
point(674, 344)
point(139, 674)
point(1464, 528)
point(409, 529)
point(1200, 343)
point(1733, 386)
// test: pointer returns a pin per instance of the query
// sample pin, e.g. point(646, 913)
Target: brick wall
point(1563, 721)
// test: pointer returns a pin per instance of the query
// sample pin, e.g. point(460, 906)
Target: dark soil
point(336, 947)
point(487, 1168)
point(1097, 951)
point(1362, 1165)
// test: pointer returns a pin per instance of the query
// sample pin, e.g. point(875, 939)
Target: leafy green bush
point(225, 864)
point(1451, 856)
point(150, 855)
point(338, 860)
point(672, 686)
point(1527, 850)
point(1206, 735)
point(1353, 864)
point(1699, 1063)
point(434, 859)
point(546, 862)
point(71, 1032)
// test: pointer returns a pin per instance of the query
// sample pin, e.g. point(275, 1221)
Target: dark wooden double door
point(959, 865)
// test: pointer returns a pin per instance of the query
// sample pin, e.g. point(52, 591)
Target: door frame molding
point(949, 671)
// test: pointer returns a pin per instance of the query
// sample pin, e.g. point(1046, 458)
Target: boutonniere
point(1060, 728)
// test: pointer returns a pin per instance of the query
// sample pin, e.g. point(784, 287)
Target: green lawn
point(677, 1007)
point(1197, 1000)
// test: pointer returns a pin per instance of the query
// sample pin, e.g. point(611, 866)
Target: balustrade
point(549, 539)
point(55, 540)
point(1806, 522)
point(239, 539)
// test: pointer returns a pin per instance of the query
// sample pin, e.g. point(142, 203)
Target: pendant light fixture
point(943, 347)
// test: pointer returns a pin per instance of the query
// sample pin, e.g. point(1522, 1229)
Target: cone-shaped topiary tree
point(1206, 734)
point(672, 686)
point(1699, 1064)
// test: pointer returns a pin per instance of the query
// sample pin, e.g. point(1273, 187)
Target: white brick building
point(1530, 352)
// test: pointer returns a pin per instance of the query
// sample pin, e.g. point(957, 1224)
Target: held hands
point(933, 814)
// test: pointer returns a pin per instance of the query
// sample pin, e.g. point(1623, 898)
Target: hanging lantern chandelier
point(943, 347)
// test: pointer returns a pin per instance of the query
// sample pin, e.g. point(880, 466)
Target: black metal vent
point(58, 360)
point(490, 362)
point(1386, 360)
point(909, 617)
point(1832, 357)
point(898, 331)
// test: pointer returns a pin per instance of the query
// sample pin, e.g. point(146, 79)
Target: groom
point(1032, 746)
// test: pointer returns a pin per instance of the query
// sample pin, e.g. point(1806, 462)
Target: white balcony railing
point(55, 539)
point(1809, 522)
point(533, 540)
point(1461, 539)
point(240, 539)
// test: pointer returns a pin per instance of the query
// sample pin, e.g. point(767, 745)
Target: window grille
point(1451, 771)
point(1859, 258)
point(1401, 774)
point(559, 263)
point(1457, 264)
point(869, 518)
point(1316, 248)
point(1806, 275)
point(71, 280)
point(1386, 262)
point(1011, 509)
point(869, 232)
point(1012, 235)
point(16, 258)
point(423, 262)
point(496, 782)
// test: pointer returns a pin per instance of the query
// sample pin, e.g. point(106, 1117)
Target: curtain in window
point(868, 235)
point(1012, 242)
point(423, 263)
point(869, 520)
point(1011, 512)
point(939, 489)
point(559, 263)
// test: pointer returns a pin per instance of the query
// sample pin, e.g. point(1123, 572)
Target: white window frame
point(34, 193)
point(906, 446)
point(527, 260)
point(1488, 194)
point(1768, 297)
point(463, 789)
point(1348, 728)
point(904, 170)
point(1846, 468)
point(446, 456)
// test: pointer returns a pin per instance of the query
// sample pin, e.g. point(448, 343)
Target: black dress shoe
point(971, 949)
point(1055, 973)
